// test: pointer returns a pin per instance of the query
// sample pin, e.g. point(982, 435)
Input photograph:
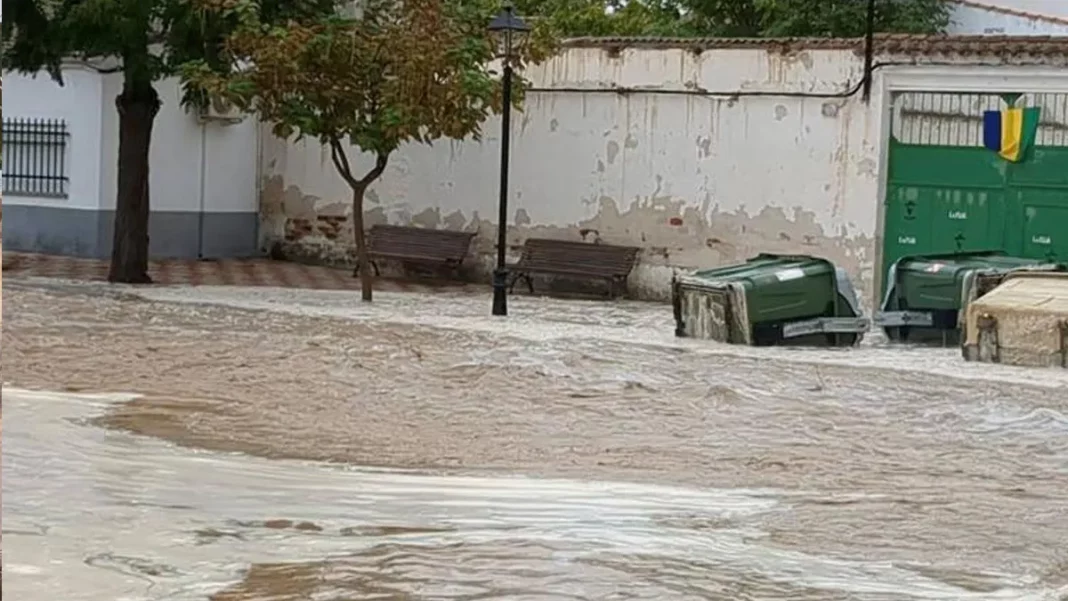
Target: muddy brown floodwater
point(576, 450)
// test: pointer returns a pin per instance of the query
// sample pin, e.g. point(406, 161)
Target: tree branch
point(341, 162)
point(380, 165)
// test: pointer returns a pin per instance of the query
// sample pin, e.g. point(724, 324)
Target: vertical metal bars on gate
point(956, 119)
point(35, 157)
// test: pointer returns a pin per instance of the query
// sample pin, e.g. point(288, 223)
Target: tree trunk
point(363, 260)
point(138, 105)
point(358, 186)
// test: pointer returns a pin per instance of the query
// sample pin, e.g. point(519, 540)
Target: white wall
point(696, 180)
point(972, 19)
point(1049, 8)
point(184, 153)
point(193, 164)
point(203, 183)
point(78, 104)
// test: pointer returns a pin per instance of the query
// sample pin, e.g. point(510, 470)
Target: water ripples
point(120, 517)
point(870, 474)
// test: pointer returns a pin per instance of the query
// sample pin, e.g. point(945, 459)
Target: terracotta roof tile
point(910, 44)
point(974, 45)
point(1011, 11)
point(711, 43)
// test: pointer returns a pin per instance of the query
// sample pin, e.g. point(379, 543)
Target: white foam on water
point(537, 319)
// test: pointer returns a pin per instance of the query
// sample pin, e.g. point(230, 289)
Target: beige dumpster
point(1024, 321)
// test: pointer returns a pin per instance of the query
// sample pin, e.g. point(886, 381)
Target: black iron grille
point(35, 157)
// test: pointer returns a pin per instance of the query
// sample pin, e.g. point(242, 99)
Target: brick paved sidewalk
point(233, 272)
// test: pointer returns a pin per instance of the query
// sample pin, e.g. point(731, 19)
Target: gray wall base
point(172, 234)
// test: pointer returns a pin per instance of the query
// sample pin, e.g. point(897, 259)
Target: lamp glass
point(509, 32)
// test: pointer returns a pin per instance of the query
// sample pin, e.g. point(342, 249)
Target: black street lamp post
point(510, 32)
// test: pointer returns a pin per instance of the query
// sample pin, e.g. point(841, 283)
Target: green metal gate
point(947, 193)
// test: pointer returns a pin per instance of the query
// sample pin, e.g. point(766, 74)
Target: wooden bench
point(575, 259)
point(442, 248)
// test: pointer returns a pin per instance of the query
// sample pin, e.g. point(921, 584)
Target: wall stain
point(675, 234)
point(612, 150)
point(428, 218)
point(521, 217)
point(704, 147)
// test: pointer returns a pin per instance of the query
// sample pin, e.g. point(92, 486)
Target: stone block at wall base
point(88, 233)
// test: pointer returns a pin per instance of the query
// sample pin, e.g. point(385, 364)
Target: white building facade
point(60, 171)
point(1009, 17)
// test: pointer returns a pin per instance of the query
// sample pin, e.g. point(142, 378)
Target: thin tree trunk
point(359, 187)
point(363, 259)
point(138, 105)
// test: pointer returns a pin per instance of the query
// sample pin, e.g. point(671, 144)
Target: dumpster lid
point(988, 259)
point(997, 261)
point(784, 267)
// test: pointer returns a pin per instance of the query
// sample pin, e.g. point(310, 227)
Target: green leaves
point(848, 18)
point(574, 18)
point(151, 39)
point(30, 41)
point(734, 18)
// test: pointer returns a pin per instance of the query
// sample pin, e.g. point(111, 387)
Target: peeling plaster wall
point(695, 179)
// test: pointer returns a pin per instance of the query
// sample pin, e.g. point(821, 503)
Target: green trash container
point(926, 293)
point(770, 299)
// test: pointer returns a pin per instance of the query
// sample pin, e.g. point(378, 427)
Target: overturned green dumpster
point(926, 293)
point(770, 299)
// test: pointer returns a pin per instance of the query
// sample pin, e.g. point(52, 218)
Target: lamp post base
point(500, 292)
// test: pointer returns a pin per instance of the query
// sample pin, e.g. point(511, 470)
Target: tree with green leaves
point(599, 18)
point(145, 40)
point(813, 18)
point(413, 71)
point(736, 18)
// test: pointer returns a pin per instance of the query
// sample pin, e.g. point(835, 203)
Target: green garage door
point(947, 193)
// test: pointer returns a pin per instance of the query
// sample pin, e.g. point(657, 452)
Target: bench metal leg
point(374, 267)
point(522, 276)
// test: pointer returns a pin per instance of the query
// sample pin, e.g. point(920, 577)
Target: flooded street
point(242, 444)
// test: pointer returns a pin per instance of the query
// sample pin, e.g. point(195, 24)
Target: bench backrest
point(605, 260)
point(448, 244)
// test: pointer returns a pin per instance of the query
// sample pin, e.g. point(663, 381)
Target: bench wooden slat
point(418, 245)
point(413, 256)
point(413, 242)
point(570, 258)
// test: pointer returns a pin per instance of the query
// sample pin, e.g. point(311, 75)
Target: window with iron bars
point(35, 157)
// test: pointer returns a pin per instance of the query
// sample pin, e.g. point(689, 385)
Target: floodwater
point(619, 464)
